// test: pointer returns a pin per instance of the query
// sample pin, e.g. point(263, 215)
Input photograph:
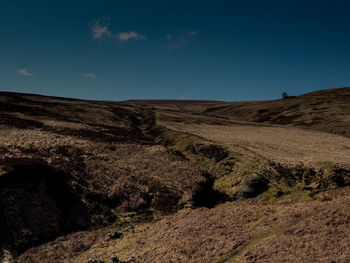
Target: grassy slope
point(315, 231)
point(195, 141)
point(326, 110)
point(68, 165)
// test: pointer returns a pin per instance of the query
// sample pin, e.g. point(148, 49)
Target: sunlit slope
point(325, 110)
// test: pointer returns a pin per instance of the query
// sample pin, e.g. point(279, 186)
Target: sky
point(186, 49)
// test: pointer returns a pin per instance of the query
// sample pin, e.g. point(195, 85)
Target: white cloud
point(125, 36)
point(24, 72)
point(100, 30)
point(90, 75)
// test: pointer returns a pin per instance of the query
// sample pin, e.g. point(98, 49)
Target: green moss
point(297, 183)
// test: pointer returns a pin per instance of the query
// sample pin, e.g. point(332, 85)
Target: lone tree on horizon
point(285, 95)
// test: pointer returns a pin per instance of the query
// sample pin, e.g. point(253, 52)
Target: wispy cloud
point(24, 72)
point(180, 40)
point(89, 75)
point(125, 36)
point(101, 29)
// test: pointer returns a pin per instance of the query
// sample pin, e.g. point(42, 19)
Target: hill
point(183, 181)
point(325, 110)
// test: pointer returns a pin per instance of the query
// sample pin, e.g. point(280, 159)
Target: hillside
point(69, 165)
point(175, 181)
point(326, 110)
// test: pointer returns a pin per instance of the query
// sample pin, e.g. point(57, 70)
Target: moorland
point(175, 180)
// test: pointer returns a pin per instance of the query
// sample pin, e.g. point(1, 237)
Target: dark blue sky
point(221, 50)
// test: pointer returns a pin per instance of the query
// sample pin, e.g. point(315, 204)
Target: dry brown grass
point(325, 110)
point(286, 145)
point(314, 231)
point(63, 249)
point(112, 161)
point(108, 161)
point(297, 162)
